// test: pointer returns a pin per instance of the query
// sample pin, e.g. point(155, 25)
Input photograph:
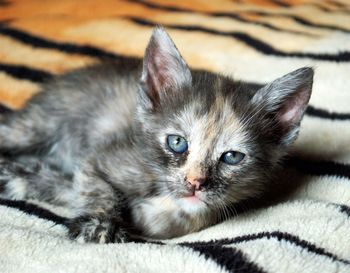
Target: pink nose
point(195, 183)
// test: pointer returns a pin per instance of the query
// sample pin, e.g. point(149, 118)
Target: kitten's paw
point(121, 236)
point(95, 230)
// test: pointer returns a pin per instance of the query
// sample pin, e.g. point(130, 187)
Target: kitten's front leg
point(98, 228)
point(98, 205)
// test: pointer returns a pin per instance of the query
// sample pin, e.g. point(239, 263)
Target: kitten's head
point(211, 141)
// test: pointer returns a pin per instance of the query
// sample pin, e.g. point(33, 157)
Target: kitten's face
point(209, 142)
point(202, 137)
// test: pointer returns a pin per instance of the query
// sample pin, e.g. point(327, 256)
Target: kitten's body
point(105, 137)
point(77, 112)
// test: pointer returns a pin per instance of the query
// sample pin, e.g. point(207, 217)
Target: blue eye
point(232, 157)
point(177, 144)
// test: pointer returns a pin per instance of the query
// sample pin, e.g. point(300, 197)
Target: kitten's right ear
point(163, 69)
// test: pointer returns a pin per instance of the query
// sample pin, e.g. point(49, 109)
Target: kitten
point(177, 147)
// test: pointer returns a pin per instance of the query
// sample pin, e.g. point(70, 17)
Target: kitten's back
point(81, 110)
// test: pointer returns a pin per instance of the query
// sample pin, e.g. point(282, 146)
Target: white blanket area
point(309, 232)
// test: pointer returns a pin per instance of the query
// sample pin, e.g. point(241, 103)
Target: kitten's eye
point(177, 144)
point(232, 157)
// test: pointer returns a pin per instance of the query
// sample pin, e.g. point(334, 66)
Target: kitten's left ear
point(286, 99)
point(163, 68)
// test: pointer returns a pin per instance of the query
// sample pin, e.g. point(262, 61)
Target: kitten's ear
point(163, 68)
point(286, 99)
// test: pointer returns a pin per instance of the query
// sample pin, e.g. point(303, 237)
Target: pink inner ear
point(152, 86)
point(292, 110)
point(160, 70)
point(158, 78)
point(289, 113)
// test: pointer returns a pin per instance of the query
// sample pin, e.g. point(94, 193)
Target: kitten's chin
point(192, 204)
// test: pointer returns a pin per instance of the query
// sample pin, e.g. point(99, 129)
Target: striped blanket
point(303, 226)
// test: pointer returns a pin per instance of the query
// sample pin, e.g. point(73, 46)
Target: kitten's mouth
point(192, 204)
point(192, 199)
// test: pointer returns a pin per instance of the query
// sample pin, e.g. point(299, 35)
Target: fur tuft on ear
point(163, 68)
point(287, 98)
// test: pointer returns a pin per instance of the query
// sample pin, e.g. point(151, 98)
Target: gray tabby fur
point(95, 140)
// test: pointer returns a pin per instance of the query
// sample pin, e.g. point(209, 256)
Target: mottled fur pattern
point(95, 140)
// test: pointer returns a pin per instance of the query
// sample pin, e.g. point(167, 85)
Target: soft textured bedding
point(303, 225)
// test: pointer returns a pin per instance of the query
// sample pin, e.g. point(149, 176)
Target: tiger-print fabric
point(306, 229)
